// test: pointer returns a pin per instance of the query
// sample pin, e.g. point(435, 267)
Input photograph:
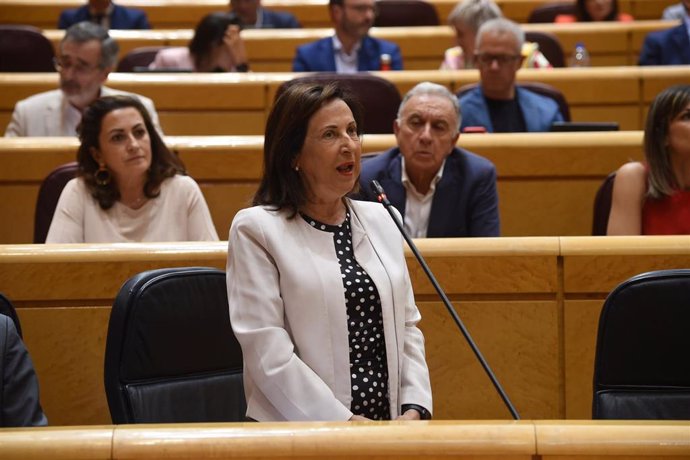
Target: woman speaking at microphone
point(319, 293)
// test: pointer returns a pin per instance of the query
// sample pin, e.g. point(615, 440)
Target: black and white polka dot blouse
point(368, 364)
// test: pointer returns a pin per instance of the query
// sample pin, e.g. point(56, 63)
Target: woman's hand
point(234, 46)
point(410, 414)
point(358, 418)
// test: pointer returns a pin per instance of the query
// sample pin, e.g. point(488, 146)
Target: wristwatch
point(423, 413)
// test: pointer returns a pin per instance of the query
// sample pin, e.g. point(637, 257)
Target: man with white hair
point(498, 104)
point(440, 190)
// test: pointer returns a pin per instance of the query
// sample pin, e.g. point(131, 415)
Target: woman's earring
point(296, 168)
point(102, 176)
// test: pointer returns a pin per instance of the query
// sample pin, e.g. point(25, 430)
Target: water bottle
point(385, 62)
point(580, 57)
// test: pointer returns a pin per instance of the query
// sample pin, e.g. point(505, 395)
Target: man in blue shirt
point(106, 14)
point(253, 16)
point(351, 49)
point(670, 46)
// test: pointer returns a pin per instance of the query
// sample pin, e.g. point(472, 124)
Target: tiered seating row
point(609, 44)
point(531, 304)
point(528, 440)
point(312, 13)
point(539, 175)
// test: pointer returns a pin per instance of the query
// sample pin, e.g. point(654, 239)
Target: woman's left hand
point(235, 45)
point(410, 414)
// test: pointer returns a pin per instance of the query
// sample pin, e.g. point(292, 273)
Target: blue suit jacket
point(318, 56)
point(465, 202)
point(278, 20)
point(666, 47)
point(121, 18)
point(539, 112)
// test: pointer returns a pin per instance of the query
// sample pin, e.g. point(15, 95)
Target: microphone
point(383, 199)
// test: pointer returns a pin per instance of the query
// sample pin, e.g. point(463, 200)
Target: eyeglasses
point(79, 68)
point(501, 59)
point(363, 9)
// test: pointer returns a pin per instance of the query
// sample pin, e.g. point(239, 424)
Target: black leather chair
point(25, 49)
point(402, 13)
point(170, 354)
point(48, 196)
point(540, 88)
point(602, 206)
point(379, 97)
point(138, 58)
point(7, 309)
point(549, 45)
point(641, 367)
point(549, 11)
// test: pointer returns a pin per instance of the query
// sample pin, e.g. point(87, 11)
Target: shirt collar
point(407, 183)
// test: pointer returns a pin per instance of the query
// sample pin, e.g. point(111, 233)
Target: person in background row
point(86, 56)
point(595, 10)
point(653, 198)
point(19, 397)
point(216, 47)
point(351, 49)
point(253, 16)
point(670, 46)
point(465, 19)
point(106, 14)
point(129, 186)
point(498, 104)
point(440, 190)
point(677, 11)
point(319, 293)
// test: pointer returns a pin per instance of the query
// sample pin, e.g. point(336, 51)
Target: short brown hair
point(666, 106)
point(281, 186)
point(164, 163)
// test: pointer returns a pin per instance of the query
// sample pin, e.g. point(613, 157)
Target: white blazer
point(42, 114)
point(288, 312)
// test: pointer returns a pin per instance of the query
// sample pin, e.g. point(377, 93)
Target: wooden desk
point(539, 175)
point(531, 304)
point(609, 43)
point(189, 104)
point(311, 13)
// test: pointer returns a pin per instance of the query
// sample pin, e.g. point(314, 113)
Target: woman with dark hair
point(595, 10)
point(216, 47)
point(653, 198)
point(319, 293)
point(129, 186)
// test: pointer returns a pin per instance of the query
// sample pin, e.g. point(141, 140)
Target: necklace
point(136, 204)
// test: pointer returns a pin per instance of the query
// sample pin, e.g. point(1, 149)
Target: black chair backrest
point(379, 97)
point(402, 13)
point(7, 309)
point(641, 366)
point(138, 57)
point(549, 11)
point(48, 196)
point(540, 88)
point(602, 206)
point(170, 354)
point(25, 49)
point(549, 45)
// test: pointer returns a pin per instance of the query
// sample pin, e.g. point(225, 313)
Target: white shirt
point(417, 205)
point(345, 63)
point(71, 117)
point(179, 213)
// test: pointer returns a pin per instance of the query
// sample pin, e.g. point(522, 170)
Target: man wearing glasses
point(498, 104)
point(351, 49)
point(87, 54)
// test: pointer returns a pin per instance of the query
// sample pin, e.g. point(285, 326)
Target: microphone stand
point(383, 199)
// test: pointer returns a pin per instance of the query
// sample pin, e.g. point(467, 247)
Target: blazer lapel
point(682, 43)
point(368, 55)
point(444, 200)
point(392, 184)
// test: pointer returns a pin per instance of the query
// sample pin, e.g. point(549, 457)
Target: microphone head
point(376, 188)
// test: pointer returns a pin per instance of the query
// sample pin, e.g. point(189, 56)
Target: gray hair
point(428, 88)
point(474, 13)
point(86, 31)
point(501, 26)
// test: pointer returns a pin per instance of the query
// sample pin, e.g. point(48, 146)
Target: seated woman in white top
point(215, 47)
point(129, 187)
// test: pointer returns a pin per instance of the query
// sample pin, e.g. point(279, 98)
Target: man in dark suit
point(440, 190)
point(351, 49)
point(253, 16)
point(106, 14)
point(670, 46)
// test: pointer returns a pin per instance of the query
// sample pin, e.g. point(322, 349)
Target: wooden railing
point(531, 304)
